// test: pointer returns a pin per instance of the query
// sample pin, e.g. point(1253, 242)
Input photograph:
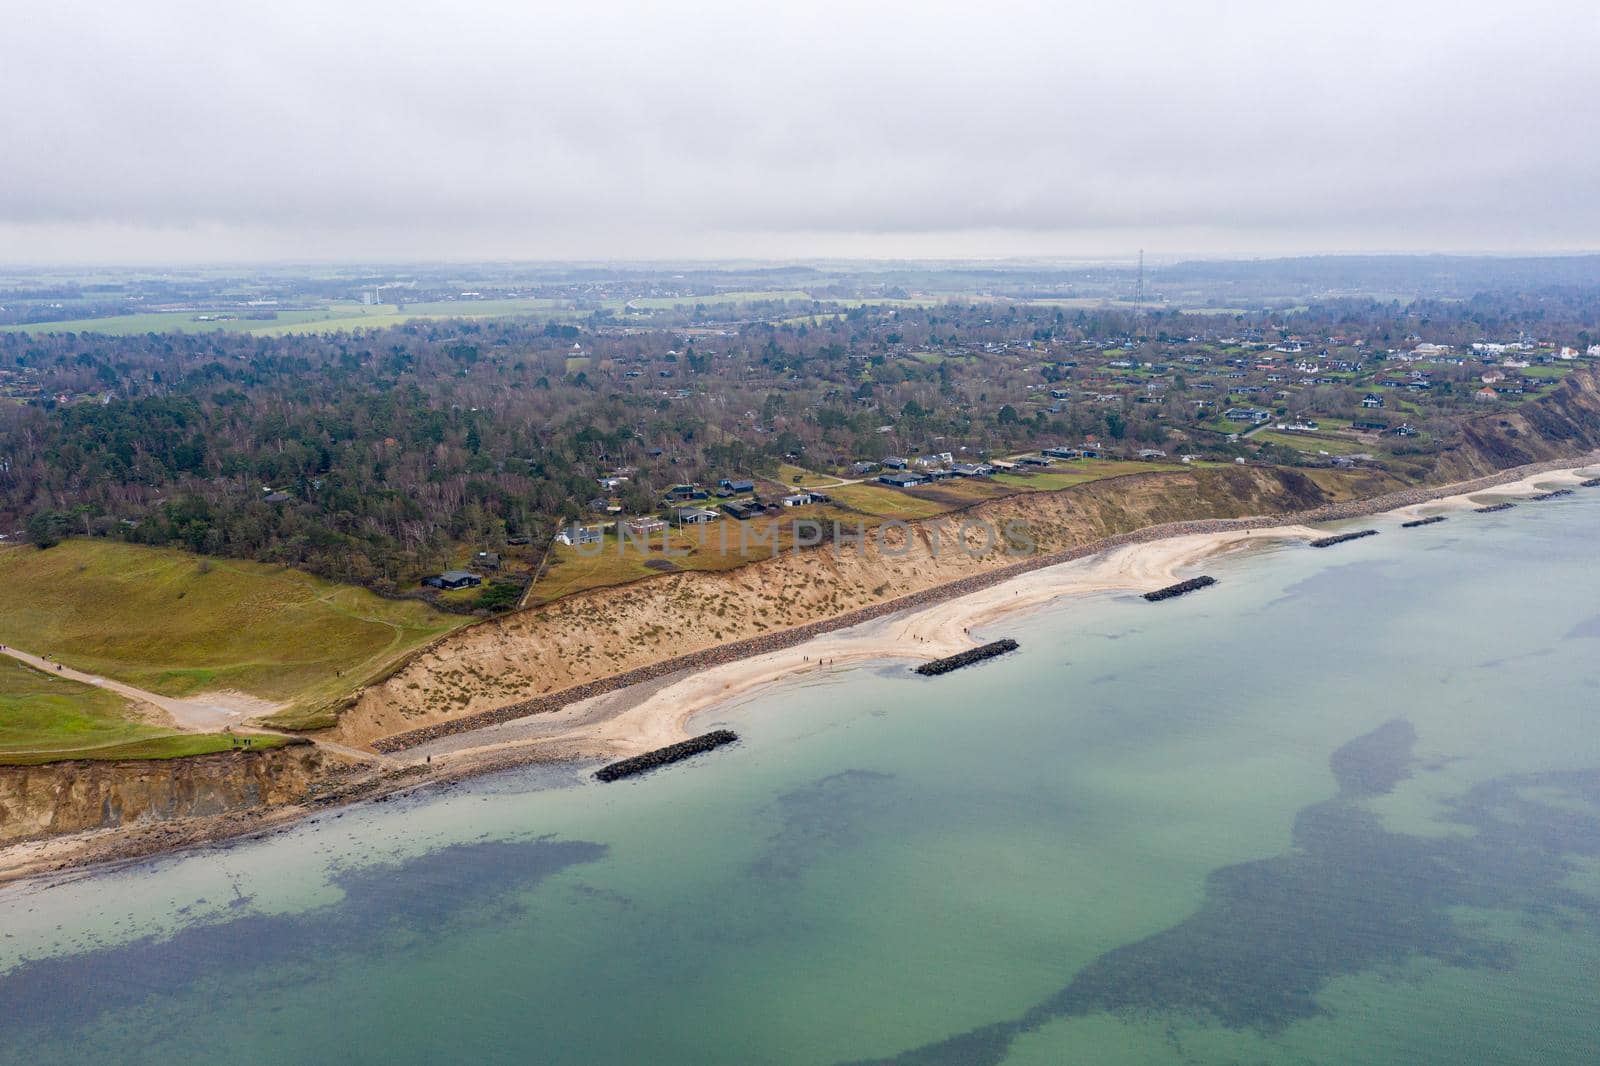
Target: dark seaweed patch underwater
point(821, 818)
point(1351, 896)
point(421, 899)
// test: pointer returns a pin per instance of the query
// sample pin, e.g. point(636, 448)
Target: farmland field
point(331, 318)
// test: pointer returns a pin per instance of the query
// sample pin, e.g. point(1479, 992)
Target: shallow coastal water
point(1342, 807)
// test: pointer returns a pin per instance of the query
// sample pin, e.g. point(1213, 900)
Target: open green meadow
point(49, 719)
point(1079, 472)
point(179, 625)
point(1312, 442)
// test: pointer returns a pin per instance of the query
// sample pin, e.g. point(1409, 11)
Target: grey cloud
point(165, 129)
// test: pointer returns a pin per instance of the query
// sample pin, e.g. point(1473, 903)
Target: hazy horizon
point(165, 132)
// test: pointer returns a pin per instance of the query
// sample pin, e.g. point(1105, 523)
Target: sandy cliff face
point(596, 634)
point(1564, 423)
point(73, 796)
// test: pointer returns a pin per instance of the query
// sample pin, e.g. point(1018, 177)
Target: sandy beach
point(629, 722)
point(1522, 488)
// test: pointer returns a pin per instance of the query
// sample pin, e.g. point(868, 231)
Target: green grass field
point(1080, 472)
point(49, 719)
point(177, 624)
point(885, 502)
point(1312, 442)
point(791, 475)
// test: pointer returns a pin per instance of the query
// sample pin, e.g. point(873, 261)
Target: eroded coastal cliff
point(69, 797)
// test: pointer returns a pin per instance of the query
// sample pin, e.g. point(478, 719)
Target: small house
point(902, 479)
point(798, 499)
point(453, 579)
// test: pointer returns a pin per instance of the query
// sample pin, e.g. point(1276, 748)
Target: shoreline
point(663, 715)
point(649, 708)
point(562, 712)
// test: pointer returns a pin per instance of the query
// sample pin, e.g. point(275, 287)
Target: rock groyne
point(672, 753)
point(1328, 542)
point(1414, 523)
point(966, 658)
point(1180, 588)
point(1494, 507)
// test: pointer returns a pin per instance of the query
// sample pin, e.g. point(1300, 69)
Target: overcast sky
point(157, 130)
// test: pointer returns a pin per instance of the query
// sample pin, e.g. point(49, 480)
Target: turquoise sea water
point(1343, 807)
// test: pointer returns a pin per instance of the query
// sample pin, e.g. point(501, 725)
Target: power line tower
point(1138, 293)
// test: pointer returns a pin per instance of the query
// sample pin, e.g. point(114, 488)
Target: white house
point(578, 535)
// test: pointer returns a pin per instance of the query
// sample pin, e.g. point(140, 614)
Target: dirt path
point(207, 713)
point(210, 713)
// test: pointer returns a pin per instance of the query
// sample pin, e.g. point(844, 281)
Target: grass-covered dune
point(177, 624)
point(47, 719)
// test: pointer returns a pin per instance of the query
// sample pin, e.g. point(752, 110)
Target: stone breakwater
point(1414, 523)
point(788, 638)
point(966, 658)
point(1191, 585)
point(1328, 542)
point(672, 753)
point(1496, 507)
point(1555, 495)
point(1590, 483)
